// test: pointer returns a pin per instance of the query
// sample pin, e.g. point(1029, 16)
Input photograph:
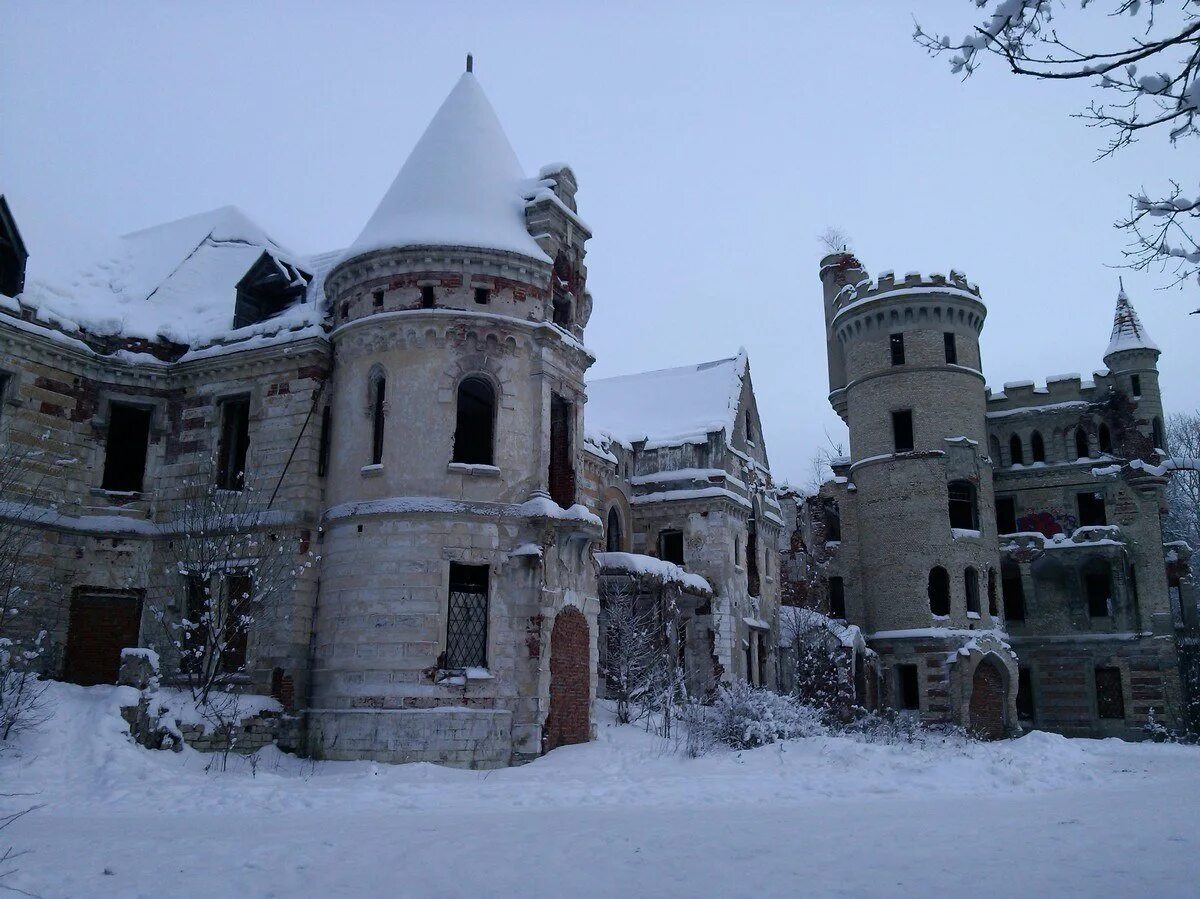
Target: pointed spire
point(461, 186)
point(1128, 332)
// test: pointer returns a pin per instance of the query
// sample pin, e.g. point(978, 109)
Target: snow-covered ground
point(622, 816)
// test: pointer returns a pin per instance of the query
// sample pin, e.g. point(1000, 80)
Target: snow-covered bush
point(744, 717)
point(890, 727)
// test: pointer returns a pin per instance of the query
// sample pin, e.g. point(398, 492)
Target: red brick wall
point(569, 720)
point(987, 702)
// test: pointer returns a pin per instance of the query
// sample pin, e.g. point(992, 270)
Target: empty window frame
point(428, 297)
point(1006, 515)
point(964, 505)
point(238, 609)
point(902, 430)
point(993, 598)
point(1160, 438)
point(1081, 444)
point(467, 617)
point(378, 415)
point(326, 442)
point(612, 533)
point(1025, 707)
point(939, 591)
point(194, 637)
point(1104, 436)
point(483, 296)
point(1110, 698)
point(1016, 452)
point(1037, 447)
point(562, 470)
point(761, 641)
point(125, 448)
point(837, 598)
point(832, 518)
point(670, 546)
point(908, 688)
point(1091, 509)
point(5, 378)
point(971, 579)
point(951, 348)
point(749, 427)
point(1135, 383)
point(475, 422)
point(233, 442)
point(377, 299)
point(896, 341)
point(994, 449)
point(1014, 593)
point(1097, 588)
point(753, 586)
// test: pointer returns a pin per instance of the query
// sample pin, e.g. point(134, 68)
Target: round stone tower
point(1132, 359)
point(455, 573)
point(905, 376)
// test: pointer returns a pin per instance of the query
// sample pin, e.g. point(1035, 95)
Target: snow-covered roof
point(667, 407)
point(461, 186)
point(175, 281)
point(1128, 333)
point(668, 572)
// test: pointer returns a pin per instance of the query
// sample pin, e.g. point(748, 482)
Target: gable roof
point(1128, 333)
point(176, 281)
point(667, 407)
point(461, 186)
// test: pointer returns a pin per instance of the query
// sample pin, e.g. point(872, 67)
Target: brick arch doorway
point(569, 719)
point(987, 701)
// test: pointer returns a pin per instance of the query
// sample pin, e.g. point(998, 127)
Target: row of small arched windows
point(475, 420)
point(1076, 442)
point(939, 591)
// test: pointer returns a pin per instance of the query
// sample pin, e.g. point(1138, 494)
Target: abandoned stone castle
point(415, 408)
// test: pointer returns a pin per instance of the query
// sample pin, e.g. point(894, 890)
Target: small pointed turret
point(1128, 332)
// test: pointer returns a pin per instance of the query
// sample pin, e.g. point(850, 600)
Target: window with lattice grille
point(466, 629)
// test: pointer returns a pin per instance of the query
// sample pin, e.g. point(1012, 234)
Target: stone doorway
point(569, 720)
point(987, 701)
point(101, 625)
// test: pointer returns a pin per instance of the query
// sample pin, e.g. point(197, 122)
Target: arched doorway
point(987, 701)
point(569, 720)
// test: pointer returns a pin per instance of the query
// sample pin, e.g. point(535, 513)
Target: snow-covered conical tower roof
point(1128, 332)
point(461, 186)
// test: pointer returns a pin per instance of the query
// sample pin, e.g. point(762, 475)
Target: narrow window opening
point(670, 546)
point(1037, 447)
point(897, 345)
point(994, 449)
point(749, 427)
point(1006, 515)
point(837, 598)
point(1135, 382)
point(1025, 710)
point(993, 599)
point(428, 298)
point(833, 521)
point(939, 591)
point(346, 309)
point(1110, 698)
point(761, 639)
point(902, 430)
point(239, 599)
point(378, 416)
point(1081, 444)
point(951, 348)
point(467, 617)
point(1160, 438)
point(234, 443)
point(482, 296)
point(1014, 593)
point(752, 580)
point(194, 638)
point(1091, 509)
point(908, 689)
point(1015, 451)
point(125, 449)
point(964, 506)
point(4, 379)
point(562, 469)
point(971, 576)
point(473, 433)
point(325, 445)
point(1105, 439)
point(377, 299)
point(612, 536)
point(1097, 586)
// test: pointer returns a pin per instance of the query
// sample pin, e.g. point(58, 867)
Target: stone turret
point(1132, 358)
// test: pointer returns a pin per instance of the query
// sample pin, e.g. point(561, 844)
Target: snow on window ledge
point(372, 471)
point(964, 532)
point(459, 676)
point(475, 471)
point(941, 617)
point(974, 616)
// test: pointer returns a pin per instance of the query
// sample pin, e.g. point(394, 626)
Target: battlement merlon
point(886, 284)
point(1059, 392)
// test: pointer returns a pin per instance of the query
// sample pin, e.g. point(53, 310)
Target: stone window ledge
point(474, 471)
point(372, 471)
point(461, 675)
point(974, 616)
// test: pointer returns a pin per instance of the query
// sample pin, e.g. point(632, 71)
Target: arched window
point(1106, 444)
point(560, 293)
point(749, 428)
point(612, 536)
point(475, 423)
point(994, 446)
point(1037, 447)
point(964, 505)
point(1015, 451)
point(378, 399)
point(939, 591)
point(1160, 437)
point(1081, 443)
point(752, 579)
point(972, 578)
point(993, 599)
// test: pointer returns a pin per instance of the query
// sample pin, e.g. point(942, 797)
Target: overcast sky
point(712, 142)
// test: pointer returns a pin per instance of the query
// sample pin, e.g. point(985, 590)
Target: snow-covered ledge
point(474, 471)
point(372, 471)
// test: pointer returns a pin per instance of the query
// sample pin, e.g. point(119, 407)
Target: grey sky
point(712, 146)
